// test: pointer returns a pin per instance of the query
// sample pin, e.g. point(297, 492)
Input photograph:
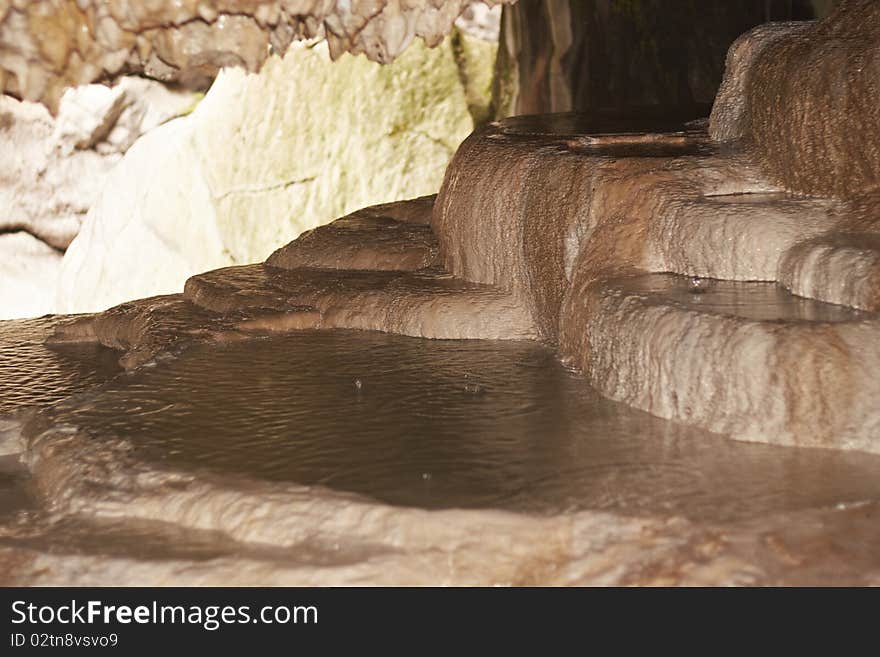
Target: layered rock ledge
point(552, 228)
point(679, 268)
point(803, 97)
point(546, 229)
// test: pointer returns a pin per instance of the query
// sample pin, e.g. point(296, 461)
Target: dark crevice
point(9, 229)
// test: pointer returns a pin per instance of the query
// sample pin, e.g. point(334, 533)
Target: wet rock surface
point(538, 227)
point(389, 291)
point(386, 237)
point(670, 202)
point(572, 510)
point(660, 265)
point(530, 476)
point(803, 96)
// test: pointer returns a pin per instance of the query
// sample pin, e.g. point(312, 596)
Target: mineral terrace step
point(394, 236)
point(745, 359)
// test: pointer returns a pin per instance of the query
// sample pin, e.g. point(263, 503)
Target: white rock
point(28, 272)
point(57, 165)
point(54, 169)
point(481, 21)
point(43, 189)
point(153, 224)
point(262, 159)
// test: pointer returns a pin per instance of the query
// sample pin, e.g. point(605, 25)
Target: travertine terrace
point(544, 229)
point(723, 274)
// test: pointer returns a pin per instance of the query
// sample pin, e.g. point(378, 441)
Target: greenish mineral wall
point(265, 157)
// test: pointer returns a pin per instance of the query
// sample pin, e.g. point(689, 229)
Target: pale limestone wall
point(266, 157)
point(53, 171)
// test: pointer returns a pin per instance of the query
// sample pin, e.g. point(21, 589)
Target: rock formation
point(50, 45)
point(265, 157)
point(103, 510)
point(57, 164)
point(552, 228)
point(722, 275)
point(53, 173)
point(805, 98)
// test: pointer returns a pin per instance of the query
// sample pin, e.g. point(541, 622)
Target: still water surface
point(442, 424)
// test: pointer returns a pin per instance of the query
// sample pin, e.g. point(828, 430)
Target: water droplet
point(698, 285)
point(426, 476)
point(358, 384)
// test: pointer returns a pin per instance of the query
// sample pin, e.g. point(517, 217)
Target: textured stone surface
point(555, 229)
point(330, 138)
point(729, 120)
point(425, 303)
point(553, 189)
point(808, 101)
point(841, 266)
point(807, 382)
point(153, 223)
point(28, 272)
point(50, 45)
point(208, 530)
point(388, 286)
point(571, 213)
point(55, 166)
point(52, 173)
point(396, 236)
point(537, 224)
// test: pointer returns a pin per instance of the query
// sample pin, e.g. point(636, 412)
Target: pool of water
point(754, 300)
point(32, 374)
point(446, 424)
point(609, 135)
